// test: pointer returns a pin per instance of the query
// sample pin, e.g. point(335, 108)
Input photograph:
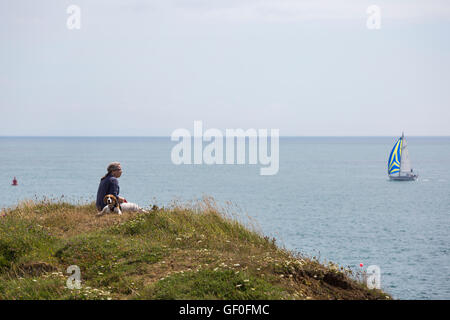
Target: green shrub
point(209, 284)
point(22, 241)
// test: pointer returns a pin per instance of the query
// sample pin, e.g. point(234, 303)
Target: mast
point(401, 154)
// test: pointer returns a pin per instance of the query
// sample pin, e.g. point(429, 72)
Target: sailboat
point(399, 164)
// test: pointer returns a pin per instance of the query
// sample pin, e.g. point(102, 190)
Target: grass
point(184, 251)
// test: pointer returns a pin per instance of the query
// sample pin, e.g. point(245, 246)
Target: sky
point(146, 68)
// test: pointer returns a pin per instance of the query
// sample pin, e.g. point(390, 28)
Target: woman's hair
point(111, 167)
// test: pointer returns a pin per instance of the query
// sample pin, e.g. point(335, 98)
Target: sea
point(330, 199)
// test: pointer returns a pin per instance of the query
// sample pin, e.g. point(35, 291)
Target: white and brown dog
point(113, 206)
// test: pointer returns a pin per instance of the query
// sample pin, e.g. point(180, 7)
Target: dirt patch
point(35, 269)
point(337, 280)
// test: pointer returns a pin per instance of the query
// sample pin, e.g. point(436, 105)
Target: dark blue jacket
point(109, 185)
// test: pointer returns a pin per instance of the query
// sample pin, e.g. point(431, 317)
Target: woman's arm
point(113, 188)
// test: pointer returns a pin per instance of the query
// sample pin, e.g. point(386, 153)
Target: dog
point(113, 206)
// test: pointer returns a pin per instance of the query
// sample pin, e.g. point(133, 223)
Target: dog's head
point(110, 200)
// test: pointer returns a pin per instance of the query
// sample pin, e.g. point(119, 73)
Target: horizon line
point(284, 136)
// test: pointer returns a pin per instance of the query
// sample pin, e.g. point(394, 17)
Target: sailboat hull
point(404, 178)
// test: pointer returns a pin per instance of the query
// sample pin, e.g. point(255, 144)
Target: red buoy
point(14, 182)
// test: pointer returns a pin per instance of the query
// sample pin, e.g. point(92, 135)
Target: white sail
point(405, 163)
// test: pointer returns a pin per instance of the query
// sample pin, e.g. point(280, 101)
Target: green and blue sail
point(395, 157)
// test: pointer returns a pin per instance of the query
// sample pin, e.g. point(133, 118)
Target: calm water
point(331, 197)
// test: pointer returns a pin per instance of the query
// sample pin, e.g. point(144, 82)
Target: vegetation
point(195, 251)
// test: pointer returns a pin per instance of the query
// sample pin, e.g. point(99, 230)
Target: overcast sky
point(306, 67)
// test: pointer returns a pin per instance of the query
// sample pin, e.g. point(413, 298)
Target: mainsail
point(395, 157)
point(405, 164)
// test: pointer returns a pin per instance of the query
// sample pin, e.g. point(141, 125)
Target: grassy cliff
point(181, 252)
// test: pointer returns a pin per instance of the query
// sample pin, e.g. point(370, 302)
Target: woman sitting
point(109, 185)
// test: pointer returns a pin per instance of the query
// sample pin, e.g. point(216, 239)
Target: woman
point(109, 184)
